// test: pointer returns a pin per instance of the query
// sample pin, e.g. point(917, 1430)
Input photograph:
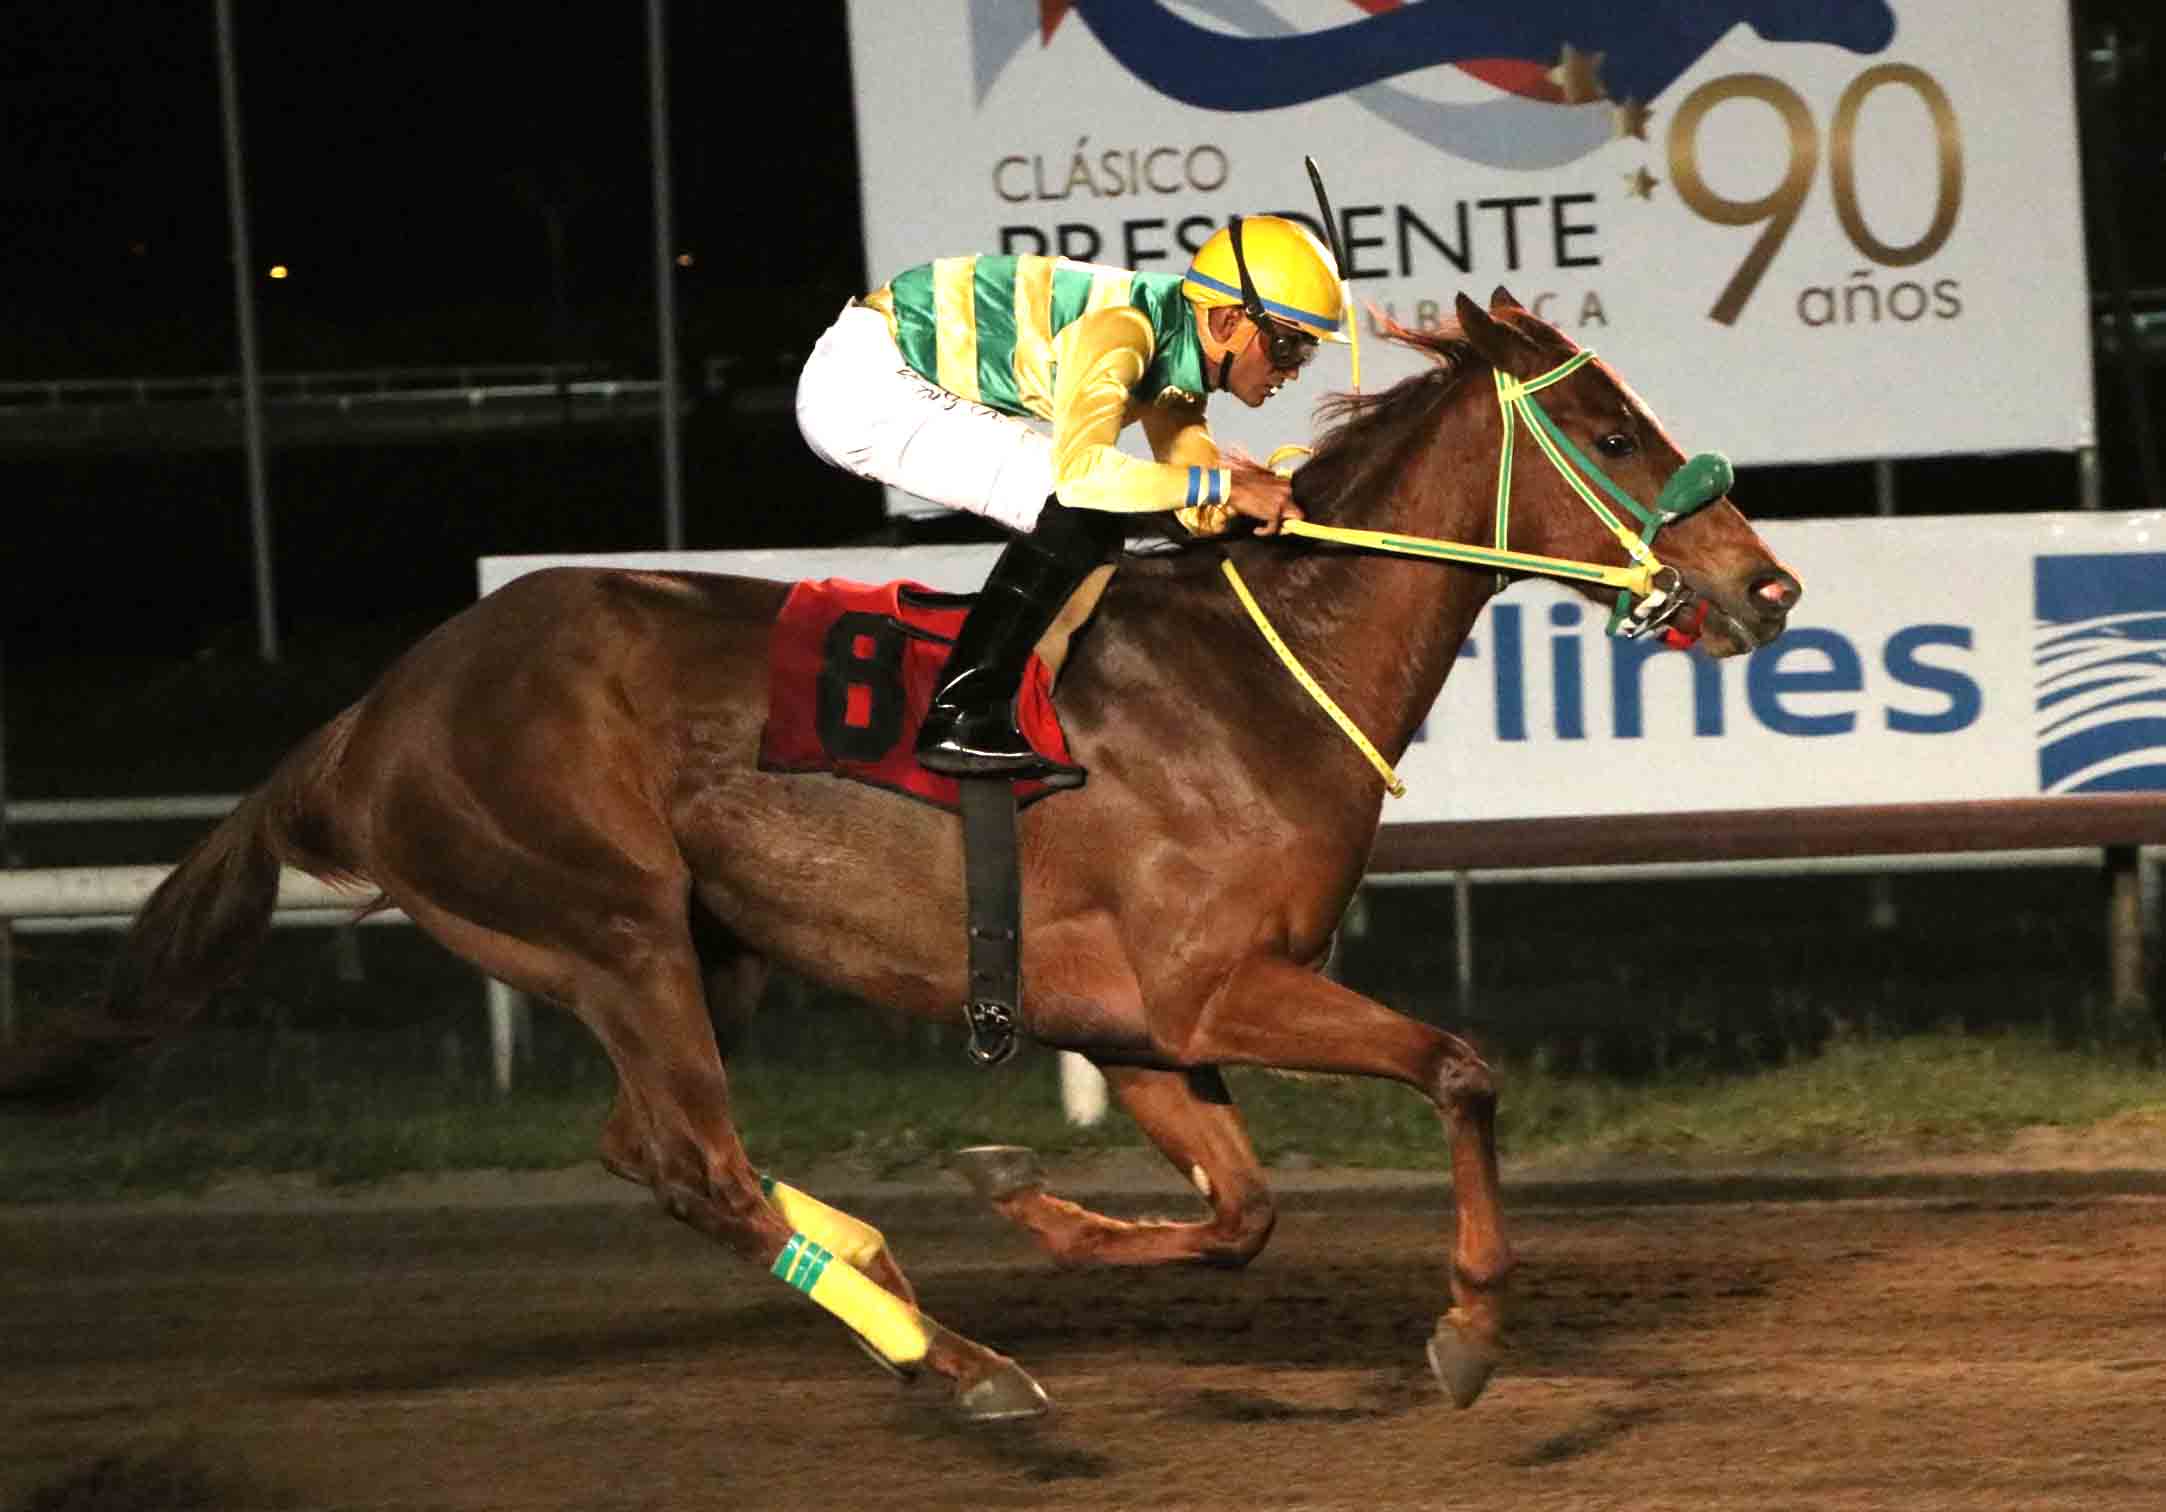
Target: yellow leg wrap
point(837, 1232)
point(879, 1317)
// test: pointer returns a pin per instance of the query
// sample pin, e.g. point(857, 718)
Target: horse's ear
point(1500, 298)
point(1499, 345)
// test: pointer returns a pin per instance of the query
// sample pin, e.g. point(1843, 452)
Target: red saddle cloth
point(851, 671)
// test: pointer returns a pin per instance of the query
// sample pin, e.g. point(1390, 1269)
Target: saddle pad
point(851, 671)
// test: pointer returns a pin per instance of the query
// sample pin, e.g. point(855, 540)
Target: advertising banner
point(1958, 657)
point(1808, 230)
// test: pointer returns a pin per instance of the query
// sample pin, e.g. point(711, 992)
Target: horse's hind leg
point(625, 1151)
point(637, 984)
point(734, 976)
point(1192, 1119)
point(652, 1020)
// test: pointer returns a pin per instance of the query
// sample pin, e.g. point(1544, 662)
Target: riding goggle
point(1288, 346)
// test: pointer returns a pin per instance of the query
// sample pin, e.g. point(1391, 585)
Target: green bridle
point(1702, 480)
point(1649, 594)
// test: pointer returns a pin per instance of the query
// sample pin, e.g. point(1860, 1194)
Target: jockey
point(930, 384)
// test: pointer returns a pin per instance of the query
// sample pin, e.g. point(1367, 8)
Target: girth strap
point(994, 894)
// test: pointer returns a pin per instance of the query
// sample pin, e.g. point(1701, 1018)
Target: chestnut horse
point(560, 785)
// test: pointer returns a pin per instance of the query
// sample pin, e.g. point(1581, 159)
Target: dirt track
point(1997, 1351)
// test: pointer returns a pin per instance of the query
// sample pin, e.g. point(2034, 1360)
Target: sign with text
point(1808, 231)
point(1958, 657)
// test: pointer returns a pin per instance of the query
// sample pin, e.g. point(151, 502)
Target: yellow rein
point(1310, 685)
point(1637, 578)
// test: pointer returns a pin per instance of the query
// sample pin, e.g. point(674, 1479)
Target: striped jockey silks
point(983, 328)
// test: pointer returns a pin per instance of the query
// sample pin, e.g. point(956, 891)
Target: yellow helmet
point(1270, 265)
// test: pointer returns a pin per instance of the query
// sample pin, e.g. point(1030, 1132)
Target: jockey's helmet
point(1278, 261)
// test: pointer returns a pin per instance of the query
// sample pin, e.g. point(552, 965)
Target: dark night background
point(407, 162)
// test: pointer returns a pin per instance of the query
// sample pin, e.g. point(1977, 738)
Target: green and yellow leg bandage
point(890, 1325)
point(846, 1238)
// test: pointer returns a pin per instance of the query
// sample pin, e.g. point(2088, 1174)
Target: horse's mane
point(1366, 438)
point(1369, 437)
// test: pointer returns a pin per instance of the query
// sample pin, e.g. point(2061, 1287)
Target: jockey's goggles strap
point(1310, 685)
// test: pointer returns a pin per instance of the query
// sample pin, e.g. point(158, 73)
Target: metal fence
point(2119, 840)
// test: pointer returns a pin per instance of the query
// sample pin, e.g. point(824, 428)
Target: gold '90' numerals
point(1778, 209)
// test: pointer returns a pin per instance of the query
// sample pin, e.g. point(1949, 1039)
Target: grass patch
point(1859, 1099)
point(1925, 1094)
point(900, 1114)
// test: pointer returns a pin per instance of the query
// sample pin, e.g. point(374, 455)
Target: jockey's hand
point(1264, 496)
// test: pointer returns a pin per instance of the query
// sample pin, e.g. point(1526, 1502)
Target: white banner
point(1931, 659)
point(1809, 231)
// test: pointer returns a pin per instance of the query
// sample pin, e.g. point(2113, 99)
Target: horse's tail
point(198, 932)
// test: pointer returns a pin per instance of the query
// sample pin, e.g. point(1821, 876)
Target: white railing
point(108, 810)
point(2061, 832)
point(82, 893)
point(39, 900)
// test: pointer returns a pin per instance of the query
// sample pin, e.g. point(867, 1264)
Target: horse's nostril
point(1777, 592)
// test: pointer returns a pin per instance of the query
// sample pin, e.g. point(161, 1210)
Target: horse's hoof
point(998, 1172)
point(1460, 1361)
point(1003, 1397)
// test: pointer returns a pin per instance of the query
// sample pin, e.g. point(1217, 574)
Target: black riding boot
point(970, 730)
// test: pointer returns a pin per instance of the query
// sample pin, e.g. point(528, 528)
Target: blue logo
point(2098, 659)
point(1814, 682)
point(1558, 70)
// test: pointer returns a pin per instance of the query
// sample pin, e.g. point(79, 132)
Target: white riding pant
point(864, 410)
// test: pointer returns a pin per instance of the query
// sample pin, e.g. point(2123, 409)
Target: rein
point(1649, 594)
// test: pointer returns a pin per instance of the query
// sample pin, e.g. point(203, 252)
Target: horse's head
point(1744, 595)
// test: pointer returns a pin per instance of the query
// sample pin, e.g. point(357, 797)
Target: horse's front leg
point(1192, 1119)
point(1271, 1012)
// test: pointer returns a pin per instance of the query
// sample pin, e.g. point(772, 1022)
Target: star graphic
point(1640, 184)
point(1579, 75)
point(1631, 118)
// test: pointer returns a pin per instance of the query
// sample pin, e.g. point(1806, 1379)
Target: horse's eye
point(1616, 444)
